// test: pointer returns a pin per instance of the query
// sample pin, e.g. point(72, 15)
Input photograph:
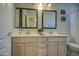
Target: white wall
point(6, 25)
point(62, 27)
point(6, 18)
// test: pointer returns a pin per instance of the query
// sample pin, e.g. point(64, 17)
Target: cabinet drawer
point(16, 40)
point(42, 45)
point(24, 40)
point(52, 39)
point(44, 40)
point(62, 42)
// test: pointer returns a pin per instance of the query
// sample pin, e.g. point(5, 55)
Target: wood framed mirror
point(26, 18)
point(49, 19)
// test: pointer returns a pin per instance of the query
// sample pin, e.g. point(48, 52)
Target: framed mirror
point(27, 18)
point(49, 19)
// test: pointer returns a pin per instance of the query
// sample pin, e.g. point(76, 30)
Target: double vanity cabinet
point(39, 45)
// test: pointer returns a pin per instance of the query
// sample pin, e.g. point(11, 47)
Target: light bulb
point(40, 6)
point(49, 5)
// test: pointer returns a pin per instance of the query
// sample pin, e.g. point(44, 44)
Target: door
point(18, 50)
point(42, 49)
point(52, 49)
point(62, 49)
point(31, 49)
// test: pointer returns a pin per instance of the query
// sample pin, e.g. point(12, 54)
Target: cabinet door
point(52, 49)
point(42, 49)
point(18, 50)
point(61, 49)
point(31, 49)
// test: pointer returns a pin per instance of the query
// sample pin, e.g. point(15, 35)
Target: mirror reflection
point(49, 19)
point(28, 18)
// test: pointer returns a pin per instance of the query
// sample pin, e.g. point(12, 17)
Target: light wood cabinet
point(42, 49)
point(39, 46)
point(57, 46)
point(29, 46)
point(18, 50)
point(31, 49)
point(52, 49)
point(62, 48)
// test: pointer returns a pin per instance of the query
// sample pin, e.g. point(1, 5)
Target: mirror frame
point(20, 18)
point(43, 19)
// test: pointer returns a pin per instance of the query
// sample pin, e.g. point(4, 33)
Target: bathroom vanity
point(39, 45)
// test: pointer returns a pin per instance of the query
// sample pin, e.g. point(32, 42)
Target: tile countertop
point(36, 35)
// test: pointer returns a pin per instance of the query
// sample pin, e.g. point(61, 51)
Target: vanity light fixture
point(41, 6)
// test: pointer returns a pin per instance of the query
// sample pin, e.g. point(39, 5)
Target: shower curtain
point(74, 26)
